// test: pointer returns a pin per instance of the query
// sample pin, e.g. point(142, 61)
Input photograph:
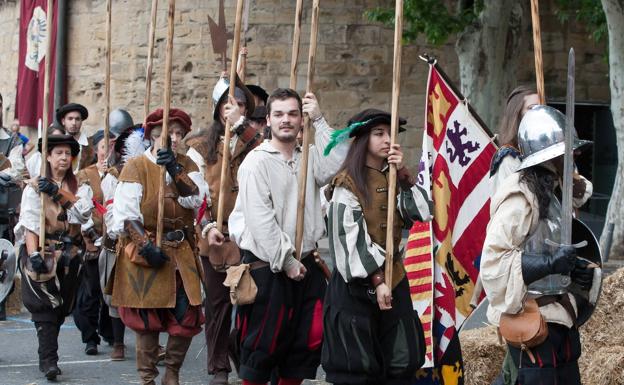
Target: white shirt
point(127, 199)
point(264, 218)
point(79, 213)
point(16, 171)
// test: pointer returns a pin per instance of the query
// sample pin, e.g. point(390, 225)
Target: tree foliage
point(431, 18)
point(589, 12)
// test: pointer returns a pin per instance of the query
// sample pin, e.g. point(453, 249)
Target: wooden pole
point(392, 177)
point(242, 58)
point(303, 171)
point(295, 45)
point(165, 127)
point(107, 85)
point(150, 60)
point(226, 140)
point(537, 46)
point(44, 129)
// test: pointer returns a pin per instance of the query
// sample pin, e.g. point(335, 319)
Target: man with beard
point(71, 116)
point(282, 329)
point(206, 150)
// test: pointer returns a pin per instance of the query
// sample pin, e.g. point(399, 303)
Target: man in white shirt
point(282, 330)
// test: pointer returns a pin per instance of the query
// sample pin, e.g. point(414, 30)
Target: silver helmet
point(541, 135)
point(119, 120)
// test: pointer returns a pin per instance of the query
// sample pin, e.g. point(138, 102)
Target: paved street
point(19, 364)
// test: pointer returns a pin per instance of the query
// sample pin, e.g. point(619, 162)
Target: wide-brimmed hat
point(99, 135)
point(258, 91)
point(175, 115)
point(69, 107)
point(57, 140)
point(259, 113)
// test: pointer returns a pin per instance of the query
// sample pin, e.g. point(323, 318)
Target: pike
point(394, 125)
point(295, 45)
point(164, 136)
point(44, 131)
point(150, 60)
point(537, 47)
point(225, 161)
point(108, 74)
point(242, 58)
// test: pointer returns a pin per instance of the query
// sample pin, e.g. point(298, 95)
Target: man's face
point(176, 134)
point(285, 120)
point(72, 121)
point(101, 151)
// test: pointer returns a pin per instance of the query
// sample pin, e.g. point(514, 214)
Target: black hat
point(372, 117)
point(69, 107)
point(259, 113)
point(258, 91)
point(99, 135)
point(57, 140)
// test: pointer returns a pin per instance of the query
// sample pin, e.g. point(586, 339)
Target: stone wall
point(354, 59)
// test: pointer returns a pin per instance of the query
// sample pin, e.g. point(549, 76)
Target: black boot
point(3, 310)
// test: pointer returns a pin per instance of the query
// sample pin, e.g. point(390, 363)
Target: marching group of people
point(102, 262)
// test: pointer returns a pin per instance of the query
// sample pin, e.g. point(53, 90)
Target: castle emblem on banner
point(37, 37)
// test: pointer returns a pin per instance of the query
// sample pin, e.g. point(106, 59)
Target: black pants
point(91, 313)
point(365, 345)
point(48, 325)
point(282, 330)
point(218, 310)
point(556, 359)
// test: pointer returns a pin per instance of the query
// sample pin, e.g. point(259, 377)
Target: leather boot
point(175, 352)
point(118, 353)
point(146, 356)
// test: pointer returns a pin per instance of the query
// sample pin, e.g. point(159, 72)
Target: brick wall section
point(354, 59)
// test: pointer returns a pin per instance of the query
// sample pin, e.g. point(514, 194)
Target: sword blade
point(568, 158)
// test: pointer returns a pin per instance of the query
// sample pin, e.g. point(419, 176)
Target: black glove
point(166, 157)
point(582, 275)
point(537, 266)
point(153, 254)
point(5, 180)
point(47, 186)
point(37, 262)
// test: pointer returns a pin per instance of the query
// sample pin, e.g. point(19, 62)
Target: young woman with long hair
point(361, 304)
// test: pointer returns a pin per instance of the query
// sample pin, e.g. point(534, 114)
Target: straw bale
point(14, 301)
point(483, 355)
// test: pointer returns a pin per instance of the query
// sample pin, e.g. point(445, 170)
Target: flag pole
point(305, 153)
point(537, 46)
point(295, 45)
point(44, 130)
point(225, 161)
point(164, 136)
point(392, 177)
point(150, 60)
point(107, 82)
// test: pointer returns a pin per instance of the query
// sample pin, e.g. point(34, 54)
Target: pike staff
point(242, 58)
point(108, 73)
point(44, 131)
point(392, 175)
point(295, 44)
point(227, 135)
point(150, 60)
point(164, 136)
point(537, 46)
point(305, 153)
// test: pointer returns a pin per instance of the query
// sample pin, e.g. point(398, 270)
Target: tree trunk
point(488, 52)
point(614, 9)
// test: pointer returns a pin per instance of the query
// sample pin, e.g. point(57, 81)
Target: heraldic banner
point(33, 35)
point(442, 257)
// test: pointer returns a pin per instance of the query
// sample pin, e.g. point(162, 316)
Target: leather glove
point(582, 275)
point(153, 254)
point(166, 157)
point(5, 180)
point(47, 186)
point(37, 262)
point(537, 266)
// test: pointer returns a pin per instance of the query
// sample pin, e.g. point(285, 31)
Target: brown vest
point(376, 212)
point(137, 286)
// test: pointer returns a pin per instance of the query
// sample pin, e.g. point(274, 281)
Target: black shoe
point(52, 372)
point(91, 349)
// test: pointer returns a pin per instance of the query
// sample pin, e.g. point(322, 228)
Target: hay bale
point(14, 301)
point(605, 366)
point(483, 355)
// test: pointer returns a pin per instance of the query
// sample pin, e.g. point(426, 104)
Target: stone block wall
point(354, 58)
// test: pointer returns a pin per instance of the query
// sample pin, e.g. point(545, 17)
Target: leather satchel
point(243, 289)
point(526, 329)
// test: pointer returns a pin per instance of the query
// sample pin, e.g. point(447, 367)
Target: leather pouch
point(526, 329)
point(243, 289)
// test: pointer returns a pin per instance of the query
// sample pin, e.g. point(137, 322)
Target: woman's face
point(60, 158)
point(529, 101)
point(379, 141)
point(101, 151)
